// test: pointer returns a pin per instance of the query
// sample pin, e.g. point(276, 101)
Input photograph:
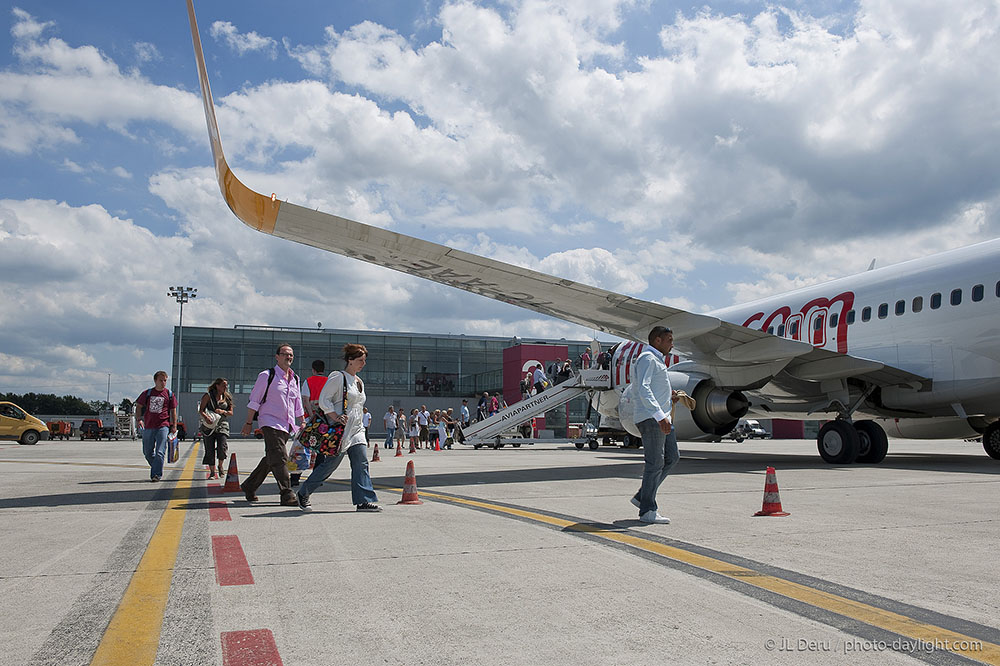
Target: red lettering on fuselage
point(819, 307)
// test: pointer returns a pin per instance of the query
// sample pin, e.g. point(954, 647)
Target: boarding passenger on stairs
point(653, 399)
point(353, 444)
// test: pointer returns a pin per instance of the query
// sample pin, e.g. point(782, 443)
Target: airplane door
point(817, 327)
point(793, 328)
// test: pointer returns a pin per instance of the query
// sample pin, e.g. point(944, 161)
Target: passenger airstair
point(489, 431)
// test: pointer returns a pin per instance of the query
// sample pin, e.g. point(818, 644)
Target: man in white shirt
point(653, 399)
point(366, 421)
point(390, 426)
point(465, 414)
point(423, 416)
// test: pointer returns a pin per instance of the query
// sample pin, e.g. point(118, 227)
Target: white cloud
point(146, 52)
point(243, 43)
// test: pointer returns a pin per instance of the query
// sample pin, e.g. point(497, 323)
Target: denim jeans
point(154, 447)
point(660, 452)
point(361, 482)
point(388, 438)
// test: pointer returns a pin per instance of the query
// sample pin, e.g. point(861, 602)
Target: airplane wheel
point(579, 445)
point(991, 440)
point(872, 442)
point(838, 443)
point(593, 444)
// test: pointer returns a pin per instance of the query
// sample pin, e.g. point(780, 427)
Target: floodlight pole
point(182, 295)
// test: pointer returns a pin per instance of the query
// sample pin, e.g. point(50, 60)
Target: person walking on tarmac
point(353, 445)
point(218, 401)
point(276, 402)
point(653, 399)
point(156, 410)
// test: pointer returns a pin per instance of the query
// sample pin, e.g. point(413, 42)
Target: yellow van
point(15, 423)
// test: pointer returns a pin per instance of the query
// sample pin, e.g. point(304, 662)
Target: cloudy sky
point(696, 154)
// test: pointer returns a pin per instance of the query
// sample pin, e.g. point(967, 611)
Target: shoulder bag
point(320, 434)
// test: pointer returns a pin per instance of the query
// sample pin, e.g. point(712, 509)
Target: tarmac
point(516, 556)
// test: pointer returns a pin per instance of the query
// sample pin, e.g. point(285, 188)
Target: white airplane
point(914, 346)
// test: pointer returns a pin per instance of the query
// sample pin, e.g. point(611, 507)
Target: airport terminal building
point(404, 370)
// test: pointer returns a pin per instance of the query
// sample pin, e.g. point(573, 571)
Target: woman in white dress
point(353, 444)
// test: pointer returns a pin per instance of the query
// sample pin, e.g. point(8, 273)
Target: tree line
point(52, 404)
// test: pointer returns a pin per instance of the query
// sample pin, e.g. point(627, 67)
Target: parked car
point(15, 423)
point(748, 429)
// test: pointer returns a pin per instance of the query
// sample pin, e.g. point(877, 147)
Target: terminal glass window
point(883, 311)
point(866, 313)
point(918, 303)
point(900, 307)
point(977, 293)
point(935, 301)
point(956, 296)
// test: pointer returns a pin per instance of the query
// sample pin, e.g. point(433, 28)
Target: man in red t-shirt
point(156, 412)
point(310, 392)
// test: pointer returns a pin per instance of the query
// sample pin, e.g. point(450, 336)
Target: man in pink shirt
point(277, 403)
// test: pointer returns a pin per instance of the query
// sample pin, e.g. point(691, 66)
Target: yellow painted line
point(133, 635)
point(924, 635)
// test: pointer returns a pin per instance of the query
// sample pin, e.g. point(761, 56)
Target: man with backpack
point(156, 411)
point(276, 402)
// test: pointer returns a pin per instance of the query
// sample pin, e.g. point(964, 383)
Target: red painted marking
point(217, 511)
point(250, 648)
point(231, 566)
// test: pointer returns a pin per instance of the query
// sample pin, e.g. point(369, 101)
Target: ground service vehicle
point(60, 429)
point(15, 423)
point(92, 429)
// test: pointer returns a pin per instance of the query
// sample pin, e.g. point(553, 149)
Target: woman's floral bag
point(322, 435)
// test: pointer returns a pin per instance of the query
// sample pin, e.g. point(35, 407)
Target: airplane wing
point(735, 356)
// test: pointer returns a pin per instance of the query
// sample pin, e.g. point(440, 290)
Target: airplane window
point(866, 314)
point(977, 293)
point(833, 320)
point(818, 323)
point(850, 317)
point(795, 329)
point(900, 307)
point(935, 301)
point(883, 311)
point(781, 331)
point(956, 296)
point(770, 330)
point(998, 289)
point(918, 303)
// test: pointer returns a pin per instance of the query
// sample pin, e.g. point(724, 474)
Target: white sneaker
point(654, 517)
point(635, 503)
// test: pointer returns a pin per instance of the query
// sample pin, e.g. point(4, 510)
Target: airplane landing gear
point(991, 440)
point(873, 443)
point(838, 442)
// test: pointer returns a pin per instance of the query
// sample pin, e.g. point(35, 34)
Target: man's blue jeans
point(154, 447)
point(361, 483)
point(391, 432)
point(660, 452)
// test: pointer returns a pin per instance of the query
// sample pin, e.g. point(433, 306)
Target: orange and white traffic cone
point(232, 477)
point(375, 456)
point(437, 444)
point(399, 449)
point(412, 447)
point(410, 495)
point(772, 502)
